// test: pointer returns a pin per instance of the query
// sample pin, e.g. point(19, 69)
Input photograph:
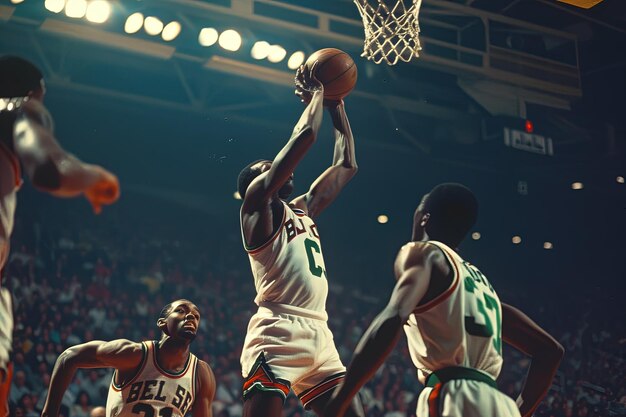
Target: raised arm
point(205, 391)
point(521, 332)
point(413, 268)
point(51, 168)
point(327, 186)
point(119, 354)
point(304, 134)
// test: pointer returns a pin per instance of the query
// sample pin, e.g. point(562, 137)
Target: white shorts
point(6, 327)
point(290, 347)
point(465, 398)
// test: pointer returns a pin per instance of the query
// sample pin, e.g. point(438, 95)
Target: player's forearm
point(543, 367)
point(373, 348)
point(312, 115)
point(344, 141)
point(62, 374)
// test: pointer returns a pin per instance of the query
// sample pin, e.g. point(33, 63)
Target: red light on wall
point(528, 126)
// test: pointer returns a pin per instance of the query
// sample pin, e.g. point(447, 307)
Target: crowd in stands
point(70, 288)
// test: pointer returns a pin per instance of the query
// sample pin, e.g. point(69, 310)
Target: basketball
point(336, 70)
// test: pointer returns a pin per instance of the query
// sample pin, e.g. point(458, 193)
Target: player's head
point(20, 78)
point(446, 214)
point(179, 320)
point(253, 170)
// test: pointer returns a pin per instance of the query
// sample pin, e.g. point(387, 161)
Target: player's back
point(461, 327)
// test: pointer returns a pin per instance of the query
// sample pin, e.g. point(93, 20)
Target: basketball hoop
point(391, 32)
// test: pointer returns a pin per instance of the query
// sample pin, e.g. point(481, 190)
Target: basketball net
point(391, 33)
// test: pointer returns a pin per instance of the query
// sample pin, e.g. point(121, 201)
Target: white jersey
point(154, 392)
point(461, 327)
point(289, 268)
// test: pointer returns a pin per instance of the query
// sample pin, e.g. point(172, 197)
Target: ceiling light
point(98, 11)
point(55, 6)
point(277, 54)
point(230, 40)
point(208, 36)
point(133, 23)
point(171, 31)
point(382, 219)
point(260, 50)
point(152, 25)
point(295, 60)
point(75, 8)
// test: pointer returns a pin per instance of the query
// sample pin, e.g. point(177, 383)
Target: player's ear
point(424, 219)
point(162, 325)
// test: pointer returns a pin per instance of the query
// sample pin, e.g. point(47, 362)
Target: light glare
point(55, 6)
point(295, 60)
point(260, 50)
point(152, 25)
point(171, 31)
point(230, 40)
point(277, 54)
point(236, 195)
point(133, 23)
point(98, 11)
point(75, 8)
point(208, 36)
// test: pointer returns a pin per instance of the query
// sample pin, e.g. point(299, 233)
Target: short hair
point(453, 211)
point(165, 311)
point(18, 76)
point(246, 176)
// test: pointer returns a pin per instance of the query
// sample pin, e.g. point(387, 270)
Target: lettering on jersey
point(158, 395)
point(476, 276)
point(147, 388)
point(182, 400)
point(297, 227)
point(133, 393)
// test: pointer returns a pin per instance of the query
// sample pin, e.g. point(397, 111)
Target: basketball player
point(454, 323)
point(27, 142)
point(288, 343)
point(152, 379)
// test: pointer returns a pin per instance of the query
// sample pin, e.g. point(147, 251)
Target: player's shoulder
point(206, 377)
point(419, 254)
point(125, 346)
point(35, 109)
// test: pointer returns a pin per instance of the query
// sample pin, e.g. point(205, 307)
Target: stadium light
point(516, 240)
point(134, 22)
point(98, 11)
point(55, 6)
point(277, 54)
point(620, 180)
point(76, 8)
point(230, 40)
point(382, 219)
point(548, 245)
point(171, 31)
point(577, 186)
point(152, 25)
point(295, 60)
point(16, 1)
point(208, 36)
point(260, 50)
point(476, 235)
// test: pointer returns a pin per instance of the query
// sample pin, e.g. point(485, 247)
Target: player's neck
point(172, 354)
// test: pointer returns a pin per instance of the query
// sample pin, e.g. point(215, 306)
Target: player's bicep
point(206, 391)
point(118, 354)
point(410, 289)
point(521, 332)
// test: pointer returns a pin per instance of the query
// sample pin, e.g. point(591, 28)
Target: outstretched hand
point(105, 191)
point(306, 82)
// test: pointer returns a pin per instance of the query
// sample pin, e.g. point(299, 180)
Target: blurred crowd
point(70, 288)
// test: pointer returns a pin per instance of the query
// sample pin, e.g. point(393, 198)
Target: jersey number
point(148, 410)
point(310, 245)
point(487, 329)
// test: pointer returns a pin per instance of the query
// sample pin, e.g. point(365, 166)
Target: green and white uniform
point(458, 336)
point(288, 343)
